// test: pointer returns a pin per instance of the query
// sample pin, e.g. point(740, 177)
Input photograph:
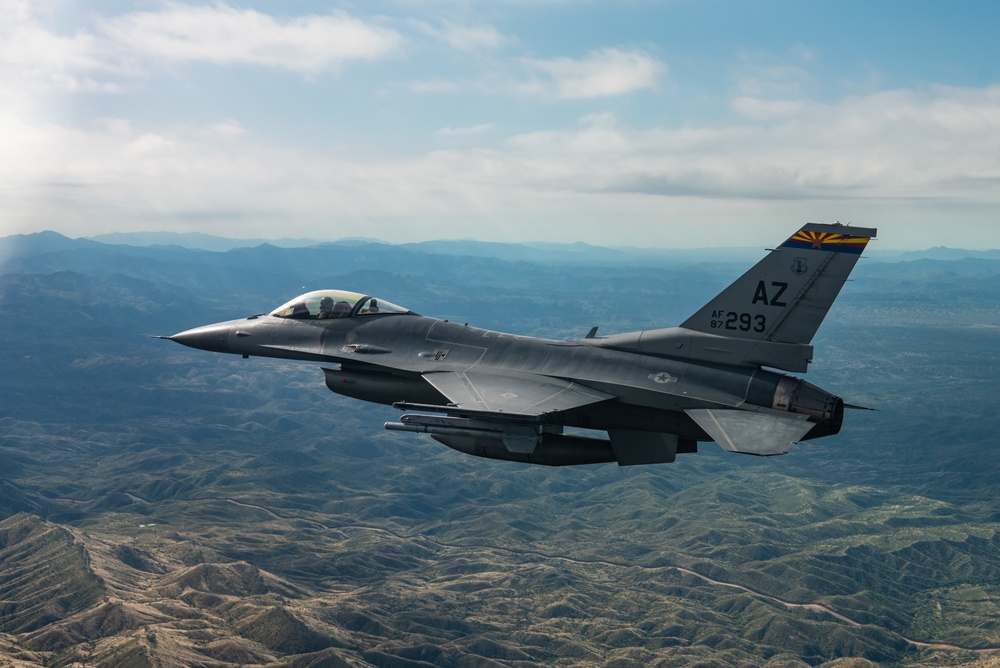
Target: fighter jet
point(716, 377)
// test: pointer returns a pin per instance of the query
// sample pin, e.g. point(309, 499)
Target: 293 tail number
point(743, 322)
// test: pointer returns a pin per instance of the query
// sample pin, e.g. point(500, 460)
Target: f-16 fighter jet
point(645, 396)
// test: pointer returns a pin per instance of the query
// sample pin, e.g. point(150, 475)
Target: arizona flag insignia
point(827, 241)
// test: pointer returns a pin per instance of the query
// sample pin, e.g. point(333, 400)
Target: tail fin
point(785, 296)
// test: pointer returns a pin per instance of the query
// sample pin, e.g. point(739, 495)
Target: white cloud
point(601, 73)
point(803, 52)
point(773, 81)
point(775, 75)
point(34, 59)
point(433, 86)
point(764, 109)
point(471, 130)
point(899, 155)
point(467, 38)
point(222, 34)
point(911, 145)
point(228, 128)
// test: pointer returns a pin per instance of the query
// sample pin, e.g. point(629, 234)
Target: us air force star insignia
point(509, 395)
point(662, 377)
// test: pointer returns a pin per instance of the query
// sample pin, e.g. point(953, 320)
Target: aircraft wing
point(522, 394)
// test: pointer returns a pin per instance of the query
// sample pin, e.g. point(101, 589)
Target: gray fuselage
point(384, 358)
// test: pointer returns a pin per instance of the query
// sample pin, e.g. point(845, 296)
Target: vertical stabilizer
point(786, 295)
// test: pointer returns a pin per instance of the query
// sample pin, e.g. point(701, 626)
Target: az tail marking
point(761, 294)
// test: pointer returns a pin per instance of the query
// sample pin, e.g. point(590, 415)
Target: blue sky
point(671, 123)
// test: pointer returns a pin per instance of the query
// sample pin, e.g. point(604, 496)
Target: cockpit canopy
point(321, 304)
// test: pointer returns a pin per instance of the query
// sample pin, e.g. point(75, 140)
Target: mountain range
point(166, 507)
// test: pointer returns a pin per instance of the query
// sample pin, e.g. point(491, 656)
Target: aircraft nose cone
point(209, 337)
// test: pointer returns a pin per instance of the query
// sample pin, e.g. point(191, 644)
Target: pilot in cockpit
point(326, 308)
point(330, 309)
point(327, 304)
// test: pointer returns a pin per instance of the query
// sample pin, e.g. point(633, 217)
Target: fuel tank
point(381, 387)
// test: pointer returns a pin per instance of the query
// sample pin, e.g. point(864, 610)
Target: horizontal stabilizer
point(752, 433)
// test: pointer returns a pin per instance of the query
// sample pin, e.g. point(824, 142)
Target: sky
point(671, 123)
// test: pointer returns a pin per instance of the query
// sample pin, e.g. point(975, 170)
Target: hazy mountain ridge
point(561, 254)
point(194, 240)
point(205, 476)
